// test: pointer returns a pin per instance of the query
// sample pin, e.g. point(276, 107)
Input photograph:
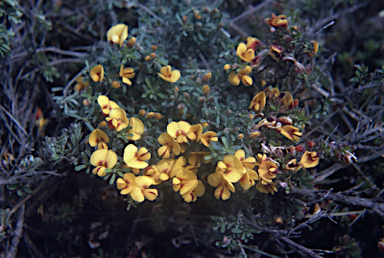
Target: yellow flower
point(266, 188)
point(118, 33)
point(246, 54)
point(224, 187)
point(97, 136)
point(180, 131)
point(126, 73)
point(141, 192)
point(169, 145)
point(184, 181)
point(103, 159)
point(106, 105)
point(258, 102)
point(293, 166)
point(287, 100)
point(248, 179)
point(164, 167)
point(208, 137)
point(102, 145)
point(126, 184)
point(261, 158)
point(247, 162)
point(267, 171)
point(136, 158)
point(231, 168)
point(291, 132)
point(97, 73)
point(277, 21)
point(167, 75)
point(242, 76)
point(197, 130)
point(153, 173)
point(196, 157)
point(309, 159)
point(117, 119)
point(137, 128)
point(197, 191)
point(81, 85)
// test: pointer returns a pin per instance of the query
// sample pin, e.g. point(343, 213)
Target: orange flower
point(277, 21)
point(309, 159)
point(253, 43)
point(293, 166)
point(291, 132)
point(287, 100)
point(276, 52)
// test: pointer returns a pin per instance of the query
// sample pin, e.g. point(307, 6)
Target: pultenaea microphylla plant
point(183, 151)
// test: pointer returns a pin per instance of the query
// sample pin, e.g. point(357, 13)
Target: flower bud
point(180, 106)
point(192, 77)
point(142, 112)
point(176, 89)
point(197, 15)
point(279, 221)
point(204, 125)
point(299, 148)
point(186, 96)
point(131, 42)
point(153, 47)
point(295, 102)
point(115, 84)
point(240, 136)
point(86, 102)
point(153, 55)
point(205, 89)
point(255, 134)
point(202, 99)
point(147, 58)
point(185, 18)
point(150, 114)
point(228, 111)
point(251, 116)
point(207, 76)
point(227, 67)
point(310, 144)
point(158, 116)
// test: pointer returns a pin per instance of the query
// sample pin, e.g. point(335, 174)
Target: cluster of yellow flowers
point(175, 165)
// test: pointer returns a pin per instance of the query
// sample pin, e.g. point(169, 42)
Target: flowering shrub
point(210, 136)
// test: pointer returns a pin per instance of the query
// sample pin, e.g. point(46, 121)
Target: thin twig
point(17, 233)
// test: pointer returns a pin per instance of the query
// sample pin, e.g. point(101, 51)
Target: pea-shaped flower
point(97, 73)
point(168, 75)
point(242, 76)
point(309, 159)
point(103, 159)
point(246, 54)
point(126, 184)
point(136, 158)
point(118, 33)
point(127, 74)
point(97, 136)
